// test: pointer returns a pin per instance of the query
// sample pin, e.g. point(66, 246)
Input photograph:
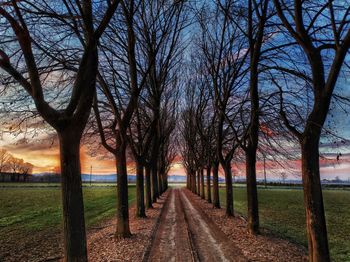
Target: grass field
point(31, 216)
point(36, 208)
point(282, 212)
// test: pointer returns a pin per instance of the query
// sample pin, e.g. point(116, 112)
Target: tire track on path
point(211, 244)
point(172, 241)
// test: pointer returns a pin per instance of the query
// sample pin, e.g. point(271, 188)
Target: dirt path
point(172, 242)
point(187, 234)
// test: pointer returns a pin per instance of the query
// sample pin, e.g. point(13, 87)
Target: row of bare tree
point(261, 73)
point(13, 167)
point(121, 58)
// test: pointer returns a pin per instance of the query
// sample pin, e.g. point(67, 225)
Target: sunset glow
point(46, 160)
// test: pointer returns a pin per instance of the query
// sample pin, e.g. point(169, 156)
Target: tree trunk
point(72, 198)
point(198, 182)
point(313, 199)
point(164, 184)
point(253, 131)
point(202, 184)
point(148, 188)
point(166, 181)
point(155, 190)
point(123, 229)
point(208, 185)
point(252, 192)
point(194, 183)
point(188, 183)
point(140, 197)
point(216, 197)
point(159, 180)
point(229, 189)
point(154, 157)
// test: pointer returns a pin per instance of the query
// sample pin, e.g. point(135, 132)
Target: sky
point(42, 151)
point(45, 158)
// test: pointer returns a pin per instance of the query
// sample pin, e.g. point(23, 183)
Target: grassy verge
point(31, 218)
point(282, 212)
point(35, 209)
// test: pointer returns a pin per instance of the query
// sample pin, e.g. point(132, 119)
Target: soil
point(192, 230)
point(265, 247)
point(186, 234)
point(103, 246)
point(172, 242)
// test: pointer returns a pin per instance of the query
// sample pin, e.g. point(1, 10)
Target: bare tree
point(163, 45)
point(118, 102)
point(188, 138)
point(15, 164)
point(167, 147)
point(28, 56)
point(283, 176)
point(256, 20)
point(321, 30)
point(205, 122)
point(25, 170)
point(130, 58)
point(225, 53)
point(4, 158)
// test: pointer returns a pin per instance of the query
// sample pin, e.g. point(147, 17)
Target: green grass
point(282, 212)
point(53, 184)
point(35, 209)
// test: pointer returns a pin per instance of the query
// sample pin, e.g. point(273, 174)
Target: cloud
point(43, 153)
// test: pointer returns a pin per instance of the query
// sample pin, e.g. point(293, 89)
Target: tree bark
point(123, 229)
point(194, 183)
point(159, 180)
point(166, 181)
point(188, 183)
point(202, 184)
point(154, 155)
point(148, 188)
point(140, 197)
point(198, 182)
point(163, 182)
point(313, 199)
point(208, 184)
point(216, 197)
point(72, 197)
point(229, 189)
point(155, 190)
point(255, 44)
point(252, 192)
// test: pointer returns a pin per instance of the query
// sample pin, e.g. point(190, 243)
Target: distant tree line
point(13, 169)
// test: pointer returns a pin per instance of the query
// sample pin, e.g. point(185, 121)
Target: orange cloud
point(45, 158)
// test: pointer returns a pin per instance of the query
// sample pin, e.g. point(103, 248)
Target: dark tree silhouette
point(131, 60)
point(224, 51)
point(322, 32)
point(33, 43)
